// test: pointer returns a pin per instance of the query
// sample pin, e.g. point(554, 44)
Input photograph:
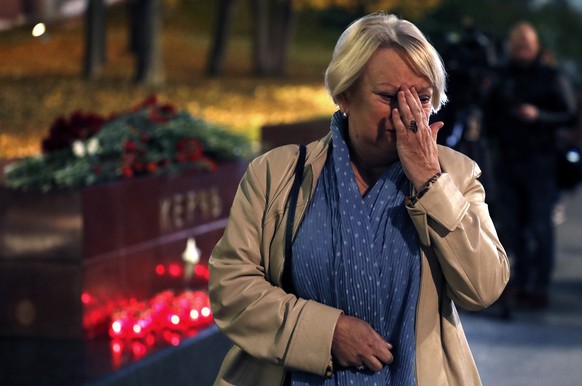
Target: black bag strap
point(287, 278)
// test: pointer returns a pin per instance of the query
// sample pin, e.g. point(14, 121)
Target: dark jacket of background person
point(462, 261)
point(541, 85)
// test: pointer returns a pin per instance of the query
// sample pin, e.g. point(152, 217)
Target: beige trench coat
point(462, 262)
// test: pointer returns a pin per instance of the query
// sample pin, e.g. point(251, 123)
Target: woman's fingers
point(356, 343)
point(411, 110)
point(372, 363)
point(435, 127)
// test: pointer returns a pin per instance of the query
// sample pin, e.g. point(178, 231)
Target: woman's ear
point(342, 102)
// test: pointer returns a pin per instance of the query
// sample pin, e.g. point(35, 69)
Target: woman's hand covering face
point(417, 149)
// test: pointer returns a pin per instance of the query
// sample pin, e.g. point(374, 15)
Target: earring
point(344, 114)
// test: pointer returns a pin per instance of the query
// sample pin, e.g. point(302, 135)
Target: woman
point(390, 230)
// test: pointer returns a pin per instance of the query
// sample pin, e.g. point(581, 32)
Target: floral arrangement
point(152, 138)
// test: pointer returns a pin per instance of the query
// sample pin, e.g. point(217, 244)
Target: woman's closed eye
point(389, 97)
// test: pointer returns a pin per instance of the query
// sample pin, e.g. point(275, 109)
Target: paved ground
point(543, 348)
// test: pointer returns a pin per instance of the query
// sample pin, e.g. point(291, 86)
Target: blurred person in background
point(391, 232)
point(470, 57)
point(529, 101)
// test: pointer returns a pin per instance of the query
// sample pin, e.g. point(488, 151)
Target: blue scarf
point(361, 255)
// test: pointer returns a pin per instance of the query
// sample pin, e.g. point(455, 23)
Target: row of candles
point(166, 318)
point(167, 311)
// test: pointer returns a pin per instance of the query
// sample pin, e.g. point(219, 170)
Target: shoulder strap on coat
point(287, 278)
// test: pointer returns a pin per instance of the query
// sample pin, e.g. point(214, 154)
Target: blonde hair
point(363, 37)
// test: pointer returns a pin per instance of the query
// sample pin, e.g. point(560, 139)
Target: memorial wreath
point(152, 138)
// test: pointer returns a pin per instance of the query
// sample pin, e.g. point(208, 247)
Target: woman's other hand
point(356, 343)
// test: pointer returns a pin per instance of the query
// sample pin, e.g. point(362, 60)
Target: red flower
point(168, 110)
point(155, 116)
point(127, 171)
point(65, 131)
point(152, 167)
point(130, 146)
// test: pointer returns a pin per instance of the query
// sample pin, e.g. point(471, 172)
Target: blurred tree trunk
point(148, 42)
point(273, 31)
point(133, 25)
point(95, 55)
point(215, 64)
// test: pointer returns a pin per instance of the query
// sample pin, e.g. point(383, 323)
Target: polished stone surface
point(50, 362)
